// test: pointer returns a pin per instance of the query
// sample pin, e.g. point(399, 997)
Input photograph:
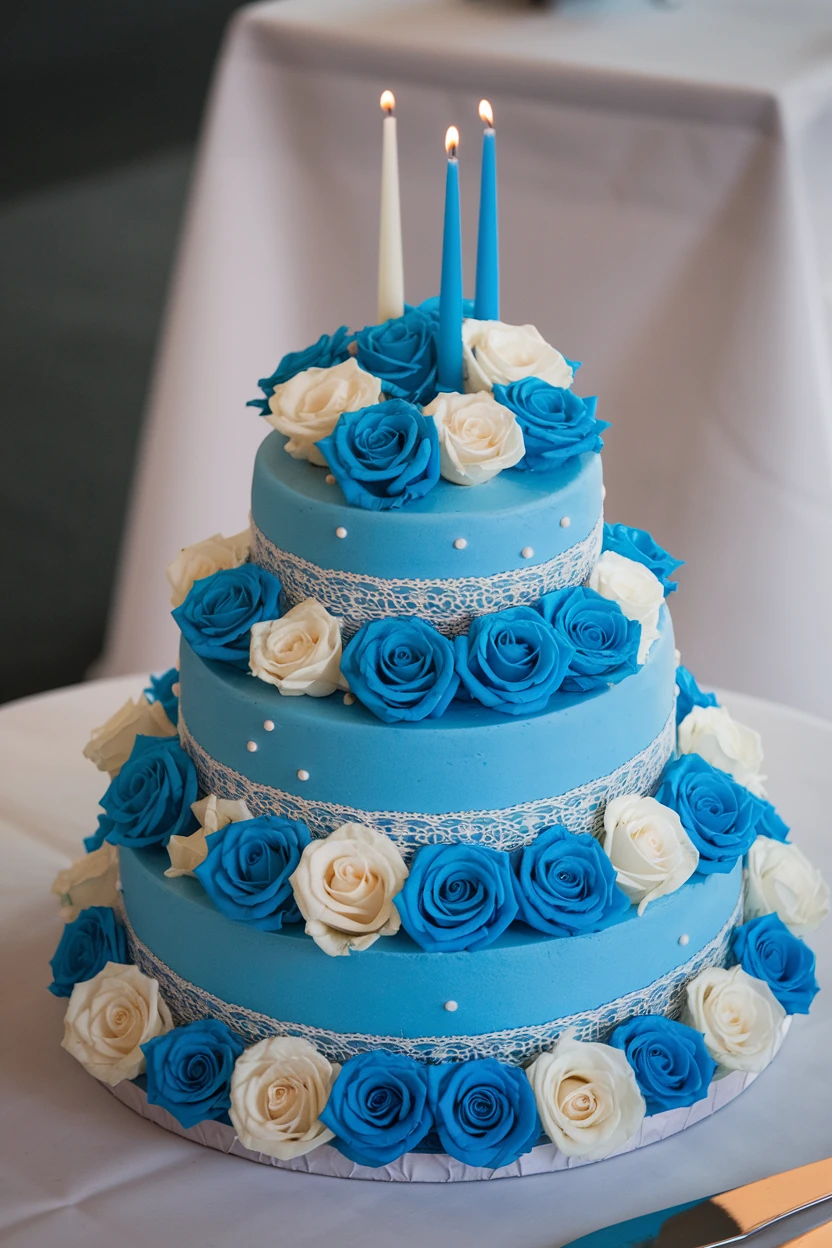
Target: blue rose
point(769, 823)
point(378, 1107)
point(690, 695)
point(767, 950)
point(485, 1112)
point(330, 349)
point(160, 689)
point(719, 815)
point(383, 456)
point(98, 837)
point(603, 641)
point(670, 1062)
point(557, 425)
point(457, 896)
point(566, 885)
point(401, 352)
point(401, 669)
point(189, 1070)
point(217, 615)
point(85, 948)
point(149, 801)
point(246, 871)
point(512, 661)
point(638, 545)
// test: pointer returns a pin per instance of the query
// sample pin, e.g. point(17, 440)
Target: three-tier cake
point(433, 861)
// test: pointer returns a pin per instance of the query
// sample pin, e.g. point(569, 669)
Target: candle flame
point(387, 101)
point(486, 113)
point(451, 140)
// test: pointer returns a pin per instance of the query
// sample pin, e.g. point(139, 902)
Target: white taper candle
point(390, 260)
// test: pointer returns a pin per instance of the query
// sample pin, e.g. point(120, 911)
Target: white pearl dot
point(565, 522)
point(251, 746)
point(450, 1006)
point(303, 774)
point(460, 543)
point(349, 698)
point(330, 480)
point(527, 552)
point(340, 531)
point(603, 492)
point(684, 939)
point(268, 724)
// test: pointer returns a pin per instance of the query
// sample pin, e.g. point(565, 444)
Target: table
point(665, 194)
point(77, 1168)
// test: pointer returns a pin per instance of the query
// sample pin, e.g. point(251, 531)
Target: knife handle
point(757, 1203)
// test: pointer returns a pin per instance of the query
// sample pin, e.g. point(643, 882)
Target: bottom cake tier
point(510, 1001)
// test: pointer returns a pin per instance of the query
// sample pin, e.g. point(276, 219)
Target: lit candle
point(390, 262)
point(487, 301)
point(449, 343)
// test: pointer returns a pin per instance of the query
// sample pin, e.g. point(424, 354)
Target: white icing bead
point(460, 543)
point(450, 1006)
point(330, 480)
point(340, 531)
point(603, 492)
point(303, 774)
point(251, 746)
point(268, 724)
point(527, 552)
point(565, 522)
point(349, 698)
point(684, 939)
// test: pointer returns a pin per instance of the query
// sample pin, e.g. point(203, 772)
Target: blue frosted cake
point(429, 853)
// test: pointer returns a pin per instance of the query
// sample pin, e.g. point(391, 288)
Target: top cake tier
point(448, 557)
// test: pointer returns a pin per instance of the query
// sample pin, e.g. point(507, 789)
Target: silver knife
point(727, 1219)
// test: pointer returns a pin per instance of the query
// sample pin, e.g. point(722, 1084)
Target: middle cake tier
point(472, 775)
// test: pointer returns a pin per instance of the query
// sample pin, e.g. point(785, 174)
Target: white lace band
point(579, 810)
point(449, 604)
point(516, 1046)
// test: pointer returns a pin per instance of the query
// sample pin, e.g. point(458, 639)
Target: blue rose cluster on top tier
point(354, 403)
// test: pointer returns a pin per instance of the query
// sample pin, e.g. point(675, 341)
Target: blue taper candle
point(487, 300)
point(449, 343)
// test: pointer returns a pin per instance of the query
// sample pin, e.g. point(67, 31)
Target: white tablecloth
point(666, 198)
point(79, 1170)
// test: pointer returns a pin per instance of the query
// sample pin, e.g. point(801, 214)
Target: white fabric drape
point(666, 215)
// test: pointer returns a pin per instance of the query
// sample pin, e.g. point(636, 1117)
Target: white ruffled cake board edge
point(438, 1167)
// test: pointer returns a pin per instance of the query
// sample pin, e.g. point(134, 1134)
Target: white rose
point(278, 1090)
point(494, 353)
point(781, 880)
point(110, 1017)
point(299, 653)
point(478, 437)
point(307, 406)
point(711, 732)
point(344, 887)
point(648, 847)
point(214, 554)
point(110, 746)
point(90, 881)
point(587, 1097)
point(636, 589)
point(738, 1015)
point(213, 813)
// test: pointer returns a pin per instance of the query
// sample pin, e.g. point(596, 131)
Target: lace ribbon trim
point(449, 604)
point(516, 1046)
point(580, 809)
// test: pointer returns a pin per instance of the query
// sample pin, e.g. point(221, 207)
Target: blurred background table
point(665, 196)
point(81, 1171)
